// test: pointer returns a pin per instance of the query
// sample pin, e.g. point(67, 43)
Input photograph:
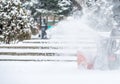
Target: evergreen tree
point(54, 7)
point(14, 21)
point(66, 6)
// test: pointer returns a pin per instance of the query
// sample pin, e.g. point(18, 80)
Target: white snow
point(40, 72)
point(53, 73)
point(47, 72)
point(38, 58)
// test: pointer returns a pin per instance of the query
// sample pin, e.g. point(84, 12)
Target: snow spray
point(86, 34)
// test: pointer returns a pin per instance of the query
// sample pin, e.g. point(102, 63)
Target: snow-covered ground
point(15, 70)
point(53, 73)
point(49, 72)
point(37, 58)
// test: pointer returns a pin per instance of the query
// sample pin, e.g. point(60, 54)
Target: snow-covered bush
point(35, 29)
point(14, 21)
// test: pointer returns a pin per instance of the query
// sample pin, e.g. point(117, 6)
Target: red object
point(90, 66)
point(81, 58)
